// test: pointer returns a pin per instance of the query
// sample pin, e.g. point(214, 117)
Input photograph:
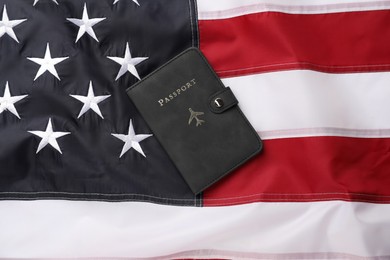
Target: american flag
point(82, 176)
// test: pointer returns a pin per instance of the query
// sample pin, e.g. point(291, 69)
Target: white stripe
point(221, 9)
point(306, 103)
point(130, 229)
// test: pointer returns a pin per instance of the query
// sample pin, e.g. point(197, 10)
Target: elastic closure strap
point(222, 101)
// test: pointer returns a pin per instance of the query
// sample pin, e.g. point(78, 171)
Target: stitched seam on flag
point(196, 23)
point(326, 131)
point(191, 22)
point(95, 199)
point(293, 200)
point(208, 199)
point(302, 194)
point(308, 63)
point(92, 194)
point(299, 9)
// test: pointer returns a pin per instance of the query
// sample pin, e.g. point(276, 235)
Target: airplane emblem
point(195, 115)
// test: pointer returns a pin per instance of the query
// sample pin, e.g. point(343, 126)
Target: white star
point(49, 137)
point(90, 101)
point(6, 25)
point(128, 63)
point(36, 1)
point(86, 24)
point(7, 101)
point(131, 140)
point(135, 1)
point(47, 63)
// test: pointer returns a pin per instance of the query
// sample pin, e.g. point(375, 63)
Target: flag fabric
point(82, 176)
point(320, 105)
point(64, 69)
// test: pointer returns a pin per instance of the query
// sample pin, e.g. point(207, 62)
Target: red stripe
point(272, 41)
point(310, 169)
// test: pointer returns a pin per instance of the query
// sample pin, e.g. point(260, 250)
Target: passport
point(196, 119)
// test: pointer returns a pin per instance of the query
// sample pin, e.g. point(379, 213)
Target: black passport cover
point(196, 119)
